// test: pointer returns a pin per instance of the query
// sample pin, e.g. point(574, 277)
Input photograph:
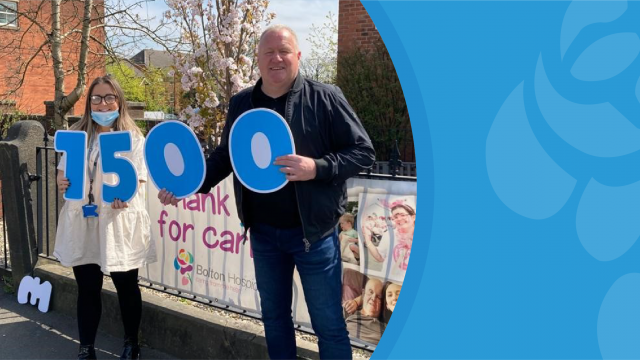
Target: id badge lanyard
point(89, 210)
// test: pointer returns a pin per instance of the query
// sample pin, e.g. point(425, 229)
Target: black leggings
point(89, 279)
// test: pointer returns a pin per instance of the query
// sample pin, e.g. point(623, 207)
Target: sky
point(297, 14)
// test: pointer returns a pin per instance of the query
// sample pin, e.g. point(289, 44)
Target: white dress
point(117, 240)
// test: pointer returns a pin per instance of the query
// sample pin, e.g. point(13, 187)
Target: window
point(8, 13)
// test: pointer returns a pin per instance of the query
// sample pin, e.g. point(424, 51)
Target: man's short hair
point(279, 27)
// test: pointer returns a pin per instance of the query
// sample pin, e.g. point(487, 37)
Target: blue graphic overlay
point(74, 145)
point(174, 158)
point(256, 139)
point(111, 144)
point(531, 109)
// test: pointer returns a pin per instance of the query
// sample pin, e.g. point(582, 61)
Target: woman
point(118, 240)
point(391, 292)
point(403, 217)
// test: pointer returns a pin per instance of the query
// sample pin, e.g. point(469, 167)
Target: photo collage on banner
point(376, 233)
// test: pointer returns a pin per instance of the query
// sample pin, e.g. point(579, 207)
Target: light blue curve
point(583, 13)
point(638, 90)
point(607, 219)
point(607, 57)
point(619, 319)
point(522, 174)
point(596, 129)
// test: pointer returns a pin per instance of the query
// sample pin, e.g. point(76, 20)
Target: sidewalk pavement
point(26, 333)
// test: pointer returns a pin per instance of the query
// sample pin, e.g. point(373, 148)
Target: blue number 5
point(110, 144)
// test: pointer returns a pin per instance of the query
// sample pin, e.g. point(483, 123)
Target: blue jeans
point(275, 254)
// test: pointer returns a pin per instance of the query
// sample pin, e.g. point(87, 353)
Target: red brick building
point(356, 31)
point(355, 27)
point(20, 39)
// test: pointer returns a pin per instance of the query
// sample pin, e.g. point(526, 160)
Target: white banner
point(201, 248)
point(201, 251)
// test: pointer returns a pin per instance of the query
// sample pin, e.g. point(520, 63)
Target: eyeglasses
point(399, 216)
point(108, 99)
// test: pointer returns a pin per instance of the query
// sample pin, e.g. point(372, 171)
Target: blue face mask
point(105, 118)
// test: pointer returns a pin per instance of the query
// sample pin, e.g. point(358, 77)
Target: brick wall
point(356, 30)
point(19, 44)
point(355, 27)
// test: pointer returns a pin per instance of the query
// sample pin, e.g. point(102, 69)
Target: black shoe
point(130, 350)
point(87, 352)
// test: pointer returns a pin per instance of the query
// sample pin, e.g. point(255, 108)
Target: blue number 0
point(256, 139)
point(174, 158)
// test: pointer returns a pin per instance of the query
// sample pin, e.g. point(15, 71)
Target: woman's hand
point(63, 182)
point(355, 250)
point(119, 204)
point(373, 250)
point(167, 198)
point(366, 234)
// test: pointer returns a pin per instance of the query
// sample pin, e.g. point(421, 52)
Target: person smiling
point(403, 217)
point(114, 239)
point(296, 226)
point(365, 323)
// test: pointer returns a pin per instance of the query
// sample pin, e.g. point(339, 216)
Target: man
point(365, 324)
point(296, 225)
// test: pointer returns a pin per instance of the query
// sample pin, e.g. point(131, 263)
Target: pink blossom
point(216, 64)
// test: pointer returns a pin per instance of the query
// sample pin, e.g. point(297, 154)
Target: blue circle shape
point(497, 284)
point(179, 134)
point(280, 140)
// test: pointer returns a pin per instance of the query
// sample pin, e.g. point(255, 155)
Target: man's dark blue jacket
point(326, 129)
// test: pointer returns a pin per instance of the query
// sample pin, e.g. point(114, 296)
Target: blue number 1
point(74, 145)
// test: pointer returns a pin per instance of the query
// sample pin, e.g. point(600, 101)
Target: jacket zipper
point(244, 216)
point(307, 244)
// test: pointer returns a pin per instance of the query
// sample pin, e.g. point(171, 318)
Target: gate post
point(17, 162)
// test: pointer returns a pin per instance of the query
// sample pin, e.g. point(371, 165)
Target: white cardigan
point(117, 240)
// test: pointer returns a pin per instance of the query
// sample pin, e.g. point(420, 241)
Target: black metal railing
point(395, 168)
point(46, 195)
point(5, 260)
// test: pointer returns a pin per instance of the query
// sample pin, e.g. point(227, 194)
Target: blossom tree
point(219, 56)
point(322, 64)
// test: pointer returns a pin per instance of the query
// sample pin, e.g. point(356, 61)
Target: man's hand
point(167, 198)
point(296, 167)
point(350, 306)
